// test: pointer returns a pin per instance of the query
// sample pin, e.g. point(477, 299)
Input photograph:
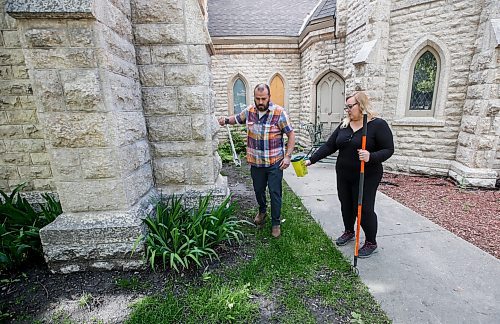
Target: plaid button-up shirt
point(265, 145)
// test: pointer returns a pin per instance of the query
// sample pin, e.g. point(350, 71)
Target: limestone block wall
point(318, 57)
point(370, 62)
point(429, 145)
point(479, 135)
point(257, 68)
point(23, 155)
point(171, 41)
point(81, 61)
point(355, 35)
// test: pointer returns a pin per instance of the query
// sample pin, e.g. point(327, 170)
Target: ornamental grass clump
point(180, 237)
point(20, 224)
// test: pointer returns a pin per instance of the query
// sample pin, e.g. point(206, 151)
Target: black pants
point(348, 187)
point(268, 177)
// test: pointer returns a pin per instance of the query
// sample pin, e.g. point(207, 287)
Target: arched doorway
point(330, 96)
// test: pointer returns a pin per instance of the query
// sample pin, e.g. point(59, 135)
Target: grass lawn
point(299, 278)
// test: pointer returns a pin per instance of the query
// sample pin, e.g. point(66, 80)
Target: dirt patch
point(470, 213)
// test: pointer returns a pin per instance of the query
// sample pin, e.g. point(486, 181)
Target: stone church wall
point(318, 58)
point(430, 146)
point(23, 154)
point(257, 68)
point(174, 68)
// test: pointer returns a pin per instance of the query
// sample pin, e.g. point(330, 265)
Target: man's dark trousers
point(272, 177)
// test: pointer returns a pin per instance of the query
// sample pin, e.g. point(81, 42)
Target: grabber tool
point(360, 195)
point(236, 159)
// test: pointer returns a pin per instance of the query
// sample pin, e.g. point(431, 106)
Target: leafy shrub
point(20, 224)
point(225, 150)
point(181, 237)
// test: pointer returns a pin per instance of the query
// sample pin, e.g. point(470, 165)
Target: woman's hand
point(307, 163)
point(364, 155)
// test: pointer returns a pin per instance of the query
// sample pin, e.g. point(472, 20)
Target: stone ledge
point(191, 194)
point(416, 165)
point(474, 177)
point(50, 9)
point(97, 265)
point(418, 121)
point(96, 240)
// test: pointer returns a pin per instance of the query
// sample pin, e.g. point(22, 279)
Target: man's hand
point(285, 163)
point(222, 121)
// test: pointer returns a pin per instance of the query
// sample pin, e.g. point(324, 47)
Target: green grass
point(301, 266)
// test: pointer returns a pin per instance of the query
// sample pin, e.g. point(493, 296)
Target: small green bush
point(225, 150)
point(181, 237)
point(20, 224)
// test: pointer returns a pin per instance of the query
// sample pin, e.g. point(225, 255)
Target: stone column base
point(418, 165)
point(191, 193)
point(474, 177)
point(462, 174)
point(96, 240)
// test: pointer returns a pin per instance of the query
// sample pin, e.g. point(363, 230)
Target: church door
point(278, 91)
point(330, 96)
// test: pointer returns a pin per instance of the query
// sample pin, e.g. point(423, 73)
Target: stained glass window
point(239, 96)
point(424, 80)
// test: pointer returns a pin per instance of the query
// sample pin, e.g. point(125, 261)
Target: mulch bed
point(470, 213)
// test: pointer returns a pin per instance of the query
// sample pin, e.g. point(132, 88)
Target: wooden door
point(278, 91)
point(330, 98)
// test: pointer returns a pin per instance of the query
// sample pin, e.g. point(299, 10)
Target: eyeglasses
point(349, 107)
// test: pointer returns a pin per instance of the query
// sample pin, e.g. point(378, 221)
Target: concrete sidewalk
point(421, 273)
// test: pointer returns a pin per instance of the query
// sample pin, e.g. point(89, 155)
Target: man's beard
point(262, 107)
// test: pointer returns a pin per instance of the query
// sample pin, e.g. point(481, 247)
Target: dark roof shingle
point(258, 17)
point(325, 9)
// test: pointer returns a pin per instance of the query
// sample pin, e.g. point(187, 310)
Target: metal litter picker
point(236, 159)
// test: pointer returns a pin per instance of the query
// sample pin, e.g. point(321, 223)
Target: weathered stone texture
point(182, 75)
point(162, 11)
point(169, 128)
point(171, 38)
point(78, 130)
point(82, 90)
point(161, 34)
point(195, 99)
point(159, 101)
point(22, 148)
point(93, 241)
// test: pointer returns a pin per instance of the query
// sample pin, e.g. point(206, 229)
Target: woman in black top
point(379, 147)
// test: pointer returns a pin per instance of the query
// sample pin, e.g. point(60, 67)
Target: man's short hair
point(262, 87)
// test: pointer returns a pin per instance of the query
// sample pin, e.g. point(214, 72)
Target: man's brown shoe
point(276, 231)
point(260, 218)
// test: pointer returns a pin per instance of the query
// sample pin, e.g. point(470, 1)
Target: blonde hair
point(363, 103)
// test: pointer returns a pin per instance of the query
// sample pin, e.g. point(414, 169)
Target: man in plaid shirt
point(266, 151)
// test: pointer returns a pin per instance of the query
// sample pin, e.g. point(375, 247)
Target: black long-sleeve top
point(379, 142)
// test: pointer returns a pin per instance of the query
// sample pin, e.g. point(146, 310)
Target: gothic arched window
point(239, 96)
point(423, 89)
